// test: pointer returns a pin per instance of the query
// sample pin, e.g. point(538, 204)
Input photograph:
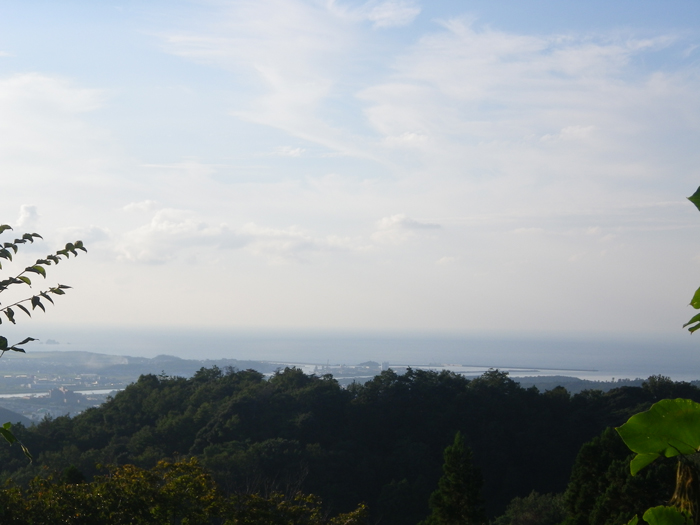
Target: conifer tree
point(457, 500)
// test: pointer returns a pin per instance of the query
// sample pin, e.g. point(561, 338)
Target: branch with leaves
point(31, 303)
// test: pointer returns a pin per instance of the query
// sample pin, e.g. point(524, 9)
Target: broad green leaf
point(36, 235)
point(4, 227)
point(5, 254)
point(634, 520)
point(694, 329)
point(662, 515)
point(642, 460)
point(47, 297)
point(17, 349)
point(7, 434)
point(26, 340)
point(3, 343)
point(670, 427)
point(10, 315)
point(695, 301)
point(26, 280)
point(695, 198)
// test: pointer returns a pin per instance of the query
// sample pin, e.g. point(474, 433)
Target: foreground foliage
point(169, 493)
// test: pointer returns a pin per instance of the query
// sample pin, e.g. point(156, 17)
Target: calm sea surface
point(601, 357)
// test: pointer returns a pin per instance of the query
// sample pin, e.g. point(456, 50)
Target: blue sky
point(449, 167)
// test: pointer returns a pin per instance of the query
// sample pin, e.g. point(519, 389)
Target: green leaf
point(642, 460)
point(7, 434)
point(79, 246)
point(37, 302)
point(24, 309)
point(662, 515)
point(4, 227)
point(634, 520)
point(695, 328)
point(3, 343)
point(695, 301)
point(17, 349)
point(47, 297)
point(57, 291)
point(670, 427)
point(36, 235)
point(5, 254)
point(36, 269)
point(26, 280)
point(26, 452)
point(10, 315)
point(695, 198)
point(26, 340)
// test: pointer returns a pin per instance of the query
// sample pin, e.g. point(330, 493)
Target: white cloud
point(90, 235)
point(142, 206)
point(398, 228)
point(28, 217)
point(171, 233)
point(389, 13)
point(393, 13)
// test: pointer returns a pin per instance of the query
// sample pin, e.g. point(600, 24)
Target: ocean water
point(600, 357)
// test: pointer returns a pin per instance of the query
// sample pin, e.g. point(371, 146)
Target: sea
point(601, 357)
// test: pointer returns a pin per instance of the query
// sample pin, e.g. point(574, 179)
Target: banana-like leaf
point(662, 515)
point(669, 428)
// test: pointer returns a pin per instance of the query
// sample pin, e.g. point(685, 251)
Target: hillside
point(379, 443)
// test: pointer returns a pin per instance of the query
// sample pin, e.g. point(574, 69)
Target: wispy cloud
point(398, 228)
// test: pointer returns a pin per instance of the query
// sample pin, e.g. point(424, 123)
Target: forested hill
point(379, 443)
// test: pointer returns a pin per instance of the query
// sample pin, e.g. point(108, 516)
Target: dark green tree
point(457, 500)
point(535, 509)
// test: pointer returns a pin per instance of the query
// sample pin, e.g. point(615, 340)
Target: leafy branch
point(7, 251)
point(695, 301)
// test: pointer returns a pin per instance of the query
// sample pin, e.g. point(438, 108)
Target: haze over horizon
point(395, 166)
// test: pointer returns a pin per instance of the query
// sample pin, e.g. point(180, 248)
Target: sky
point(386, 165)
